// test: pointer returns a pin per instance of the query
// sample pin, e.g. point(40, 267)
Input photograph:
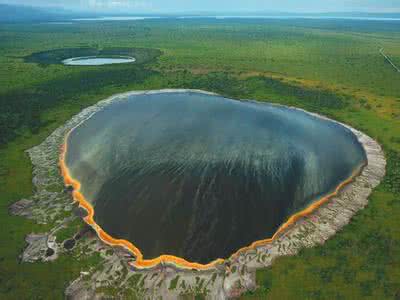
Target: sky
point(170, 6)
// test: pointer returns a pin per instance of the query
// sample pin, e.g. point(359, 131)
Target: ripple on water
point(200, 176)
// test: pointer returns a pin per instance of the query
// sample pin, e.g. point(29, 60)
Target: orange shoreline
point(179, 262)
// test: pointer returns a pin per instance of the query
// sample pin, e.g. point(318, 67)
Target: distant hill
point(27, 14)
point(19, 13)
point(350, 15)
point(364, 15)
point(12, 13)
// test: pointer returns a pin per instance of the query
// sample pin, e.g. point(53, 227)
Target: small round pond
point(199, 176)
point(97, 61)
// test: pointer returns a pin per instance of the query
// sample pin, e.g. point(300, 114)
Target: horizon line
point(198, 12)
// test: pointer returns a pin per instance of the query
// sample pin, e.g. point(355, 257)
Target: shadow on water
point(200, 176)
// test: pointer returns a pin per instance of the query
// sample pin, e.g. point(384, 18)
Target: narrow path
point(389, 60)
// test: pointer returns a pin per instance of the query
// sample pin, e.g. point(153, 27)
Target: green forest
point(326, 66)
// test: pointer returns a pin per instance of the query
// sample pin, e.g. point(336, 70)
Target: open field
point(331, 67)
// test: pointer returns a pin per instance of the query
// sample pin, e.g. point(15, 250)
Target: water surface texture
point(97, 61)
point(199, 176)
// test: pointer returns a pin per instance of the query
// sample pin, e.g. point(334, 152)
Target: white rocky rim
point(371, 174)
point(314, 229)
point(309, 231)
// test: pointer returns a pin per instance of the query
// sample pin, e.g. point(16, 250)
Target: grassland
point(331, 67)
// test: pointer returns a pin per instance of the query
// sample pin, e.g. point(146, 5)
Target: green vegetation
point(43, 96)
point(57, 56)
point(327, 66)
point(173, 283)
point(70, 230)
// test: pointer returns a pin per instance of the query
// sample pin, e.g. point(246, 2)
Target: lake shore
point(311, 227)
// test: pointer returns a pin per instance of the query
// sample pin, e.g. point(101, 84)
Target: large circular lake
point(199, 176)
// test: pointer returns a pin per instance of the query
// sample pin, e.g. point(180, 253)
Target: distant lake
point(273, 17)
point(121, 18)
point(200, 176)
point(58, 23)
point(97, 61)
point(308, 17)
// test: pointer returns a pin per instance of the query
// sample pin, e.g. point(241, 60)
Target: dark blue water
point(200, 176)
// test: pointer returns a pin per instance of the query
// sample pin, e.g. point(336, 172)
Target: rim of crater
point(371, 174)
